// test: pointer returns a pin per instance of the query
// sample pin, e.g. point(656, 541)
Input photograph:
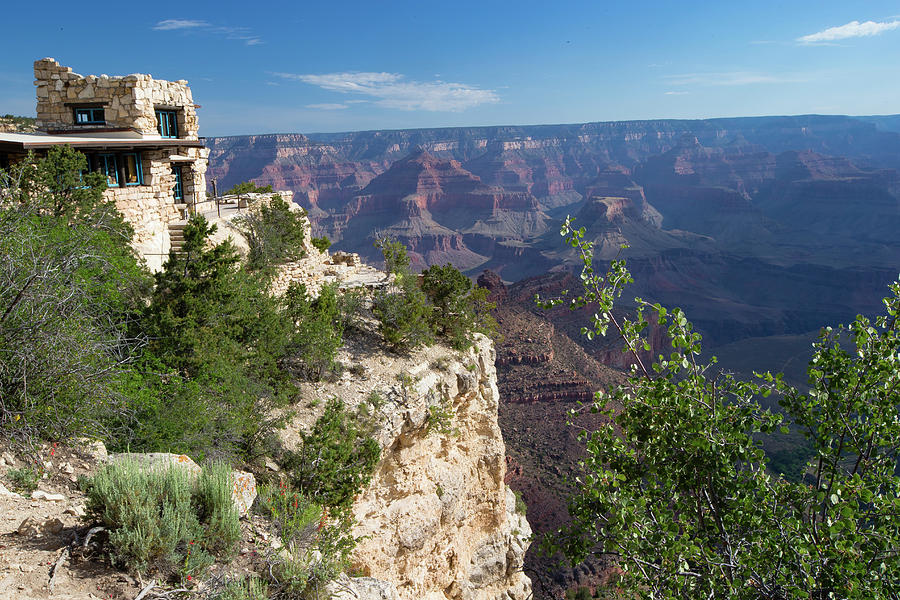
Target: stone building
point(139, 131)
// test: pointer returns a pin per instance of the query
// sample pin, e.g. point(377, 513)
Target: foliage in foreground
point(678, 492)
point(70, 288)
point(164, 519)
point(211, 372)
point(318, 540)
point(311, 509)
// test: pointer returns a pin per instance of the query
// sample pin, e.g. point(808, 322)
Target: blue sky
point(260, 67)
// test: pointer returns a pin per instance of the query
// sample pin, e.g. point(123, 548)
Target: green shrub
point(164, 519)
point(24, 480)
point(318, 541)
point(212, 370)
point(274, 234)
point(351, 304)
point(440, 419)
point(396, 258)
point(69, 286)
point(216, 508)
point(246, 588)
point(521, 507)
point(402, 309)
point(403, 317)
point(321, 243)
point(247, 187)
point(295, 517)
point(318, 328)
point(446, 304)
point(335, 460)
point(460, 308)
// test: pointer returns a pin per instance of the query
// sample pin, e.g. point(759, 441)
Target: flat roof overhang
point(24, 142)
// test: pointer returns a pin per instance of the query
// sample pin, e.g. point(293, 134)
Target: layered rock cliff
point(437, 519)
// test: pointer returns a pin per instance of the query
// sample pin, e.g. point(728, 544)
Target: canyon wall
point(437, 520)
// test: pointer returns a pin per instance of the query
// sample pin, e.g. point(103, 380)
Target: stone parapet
point(129, 102)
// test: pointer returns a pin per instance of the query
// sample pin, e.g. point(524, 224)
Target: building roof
point(36, 141)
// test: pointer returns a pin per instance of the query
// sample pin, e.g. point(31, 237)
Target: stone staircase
point(176, 235)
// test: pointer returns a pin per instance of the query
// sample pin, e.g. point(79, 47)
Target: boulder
point(360, 588)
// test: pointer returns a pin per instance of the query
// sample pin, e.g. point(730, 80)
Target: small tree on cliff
point(402, 309)
point(677, 490)
point(460, 308)
point(274, 234)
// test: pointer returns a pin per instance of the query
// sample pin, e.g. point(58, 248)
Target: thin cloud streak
point(731, 78)
point(392, 90)
point(853, 29)
point(173, 24)
point(241, 34)
point(327, 106)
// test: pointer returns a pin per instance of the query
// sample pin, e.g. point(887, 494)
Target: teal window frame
point(137, 166)
point(94, 115)
point(105, 161)
point(178, 190)
point(167, 123)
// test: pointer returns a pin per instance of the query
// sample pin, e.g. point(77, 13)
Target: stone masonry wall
point(150, 207)
point(129, 102)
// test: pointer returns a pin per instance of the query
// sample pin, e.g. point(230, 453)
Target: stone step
point(176, 235)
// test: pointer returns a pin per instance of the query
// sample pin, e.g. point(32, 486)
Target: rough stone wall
point(150, 207)
point(129, 101)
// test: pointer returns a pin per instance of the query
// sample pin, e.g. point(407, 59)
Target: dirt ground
point(43, 555)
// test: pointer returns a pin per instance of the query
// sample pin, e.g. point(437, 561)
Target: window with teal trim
point(131, 165)
point(90, 115)
point(167, 123)
point(109, 167)
point(178, 191)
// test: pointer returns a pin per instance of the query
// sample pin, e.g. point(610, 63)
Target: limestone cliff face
point(438, 520)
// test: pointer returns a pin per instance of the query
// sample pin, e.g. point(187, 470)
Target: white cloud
point(675, 93)
point(171, 24)
point(392, 90)
point(729, 78)
point(327, 106)
point(230, 33)
point(850, 30)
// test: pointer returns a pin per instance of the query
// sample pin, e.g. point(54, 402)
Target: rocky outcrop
point(437, 519)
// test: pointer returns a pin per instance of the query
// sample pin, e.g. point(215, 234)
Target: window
point(108, 166)
point(91, 115)
point(178, 191)
point(166, 123)
point(131, 164)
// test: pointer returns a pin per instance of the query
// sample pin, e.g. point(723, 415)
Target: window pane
point(178, 191)
point(132, 176)
point(109, 168)
point(167, 125)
